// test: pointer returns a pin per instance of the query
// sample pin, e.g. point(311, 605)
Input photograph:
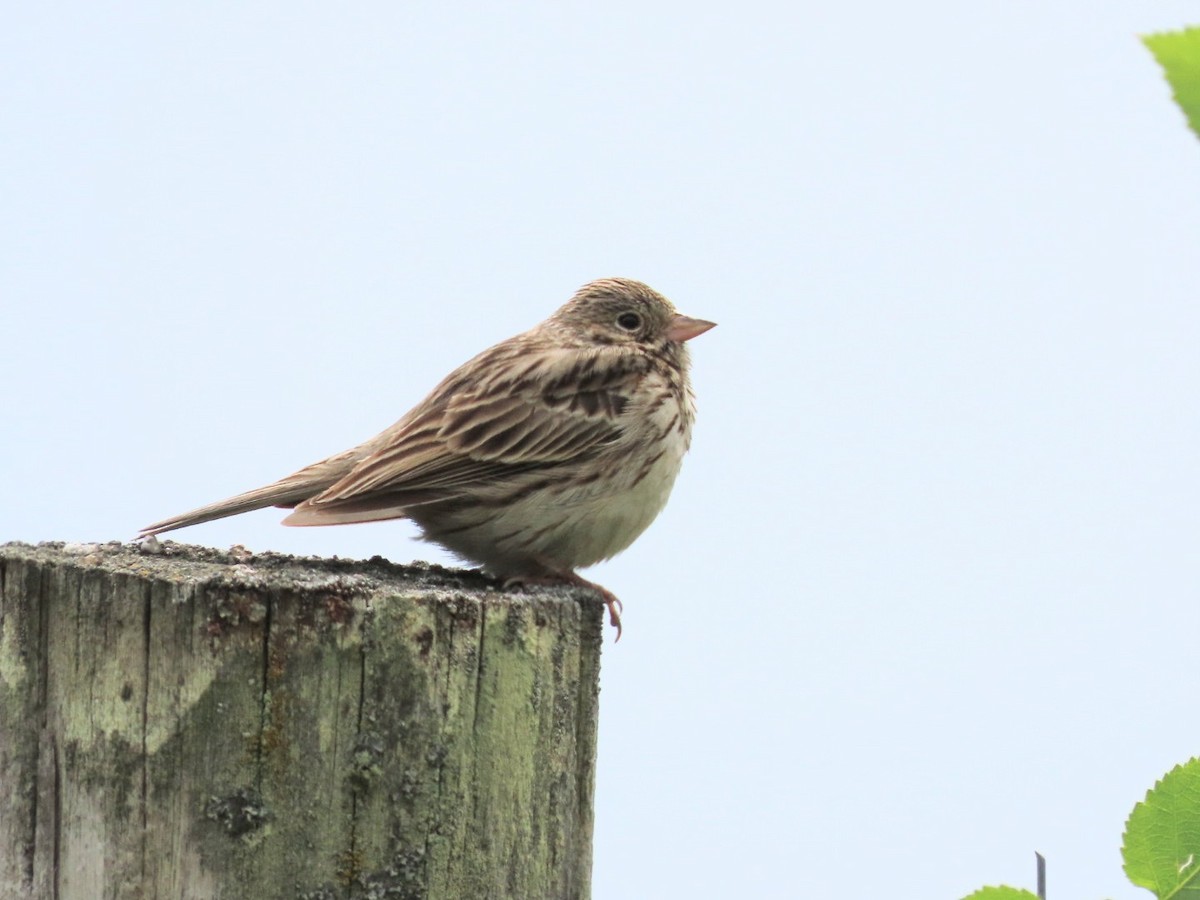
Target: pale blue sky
point(921, 603)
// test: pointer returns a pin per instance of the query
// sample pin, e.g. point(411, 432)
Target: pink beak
point(684, 328)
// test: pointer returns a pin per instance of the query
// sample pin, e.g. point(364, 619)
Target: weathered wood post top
point(190, 723)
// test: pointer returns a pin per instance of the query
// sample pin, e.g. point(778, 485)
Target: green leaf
point(1178, 52)
point(1004, 892)
point(1162, 837)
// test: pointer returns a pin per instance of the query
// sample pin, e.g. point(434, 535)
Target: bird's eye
point(629, 321)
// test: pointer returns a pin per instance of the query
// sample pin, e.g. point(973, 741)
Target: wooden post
point(197, 724)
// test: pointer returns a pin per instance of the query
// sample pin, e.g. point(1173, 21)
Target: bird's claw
point(614, 614)
point(615, 606)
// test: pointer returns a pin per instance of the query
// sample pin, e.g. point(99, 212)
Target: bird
point(549, 452)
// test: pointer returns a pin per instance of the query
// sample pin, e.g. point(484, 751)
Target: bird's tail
point(285, 493)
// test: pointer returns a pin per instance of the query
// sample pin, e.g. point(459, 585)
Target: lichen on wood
point(192, 723)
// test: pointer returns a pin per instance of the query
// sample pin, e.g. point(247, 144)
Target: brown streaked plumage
point(549, 452)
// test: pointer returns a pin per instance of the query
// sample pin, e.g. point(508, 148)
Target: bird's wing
point(543, 409)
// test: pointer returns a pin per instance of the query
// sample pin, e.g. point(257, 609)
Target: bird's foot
point(615, 607)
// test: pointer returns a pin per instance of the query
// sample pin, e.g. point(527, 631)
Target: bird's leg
point(615, 607)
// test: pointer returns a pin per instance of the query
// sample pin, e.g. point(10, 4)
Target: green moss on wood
point(273, 727)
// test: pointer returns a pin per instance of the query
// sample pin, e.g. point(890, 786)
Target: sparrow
point(547, 453)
